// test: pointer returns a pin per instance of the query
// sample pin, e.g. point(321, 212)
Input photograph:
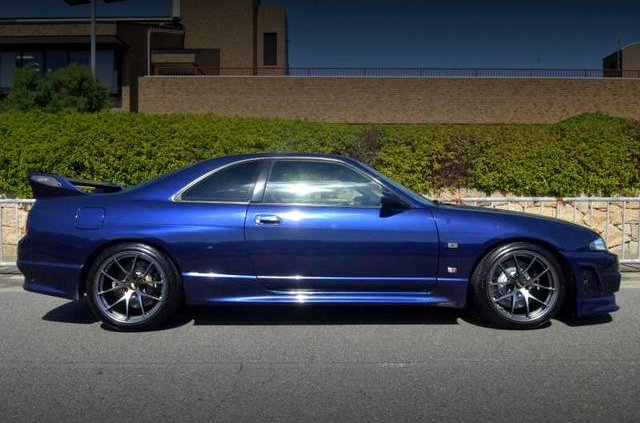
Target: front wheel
point(132, 287)
point(518, 285)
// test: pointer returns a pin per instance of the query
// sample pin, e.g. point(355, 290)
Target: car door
point(319, 226)
point(208, 219)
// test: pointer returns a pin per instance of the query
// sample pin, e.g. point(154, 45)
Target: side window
point(233, 184)
point(320, 183)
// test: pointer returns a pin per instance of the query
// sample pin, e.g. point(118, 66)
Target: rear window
point(231, 184)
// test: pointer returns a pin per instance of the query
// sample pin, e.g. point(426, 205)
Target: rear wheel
point(132, 287)
point(518, 285)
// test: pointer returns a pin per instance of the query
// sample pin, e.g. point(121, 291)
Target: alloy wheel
point(130, 287)
point(523, 286)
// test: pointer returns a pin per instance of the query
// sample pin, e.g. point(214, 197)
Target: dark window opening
point(270, 49)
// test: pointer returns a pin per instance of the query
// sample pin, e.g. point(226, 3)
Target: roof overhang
point(79, 2)
point(74, 39)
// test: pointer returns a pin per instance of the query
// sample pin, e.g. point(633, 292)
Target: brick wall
point(393, 100)
point(228, 25)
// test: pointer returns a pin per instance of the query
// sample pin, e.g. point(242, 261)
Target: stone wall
point(392, 100)
point(13, 223)
point(594, 216)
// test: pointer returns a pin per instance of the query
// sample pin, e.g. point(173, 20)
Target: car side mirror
point(389, 202)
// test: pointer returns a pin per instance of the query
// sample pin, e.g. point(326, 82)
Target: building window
point(9, 60)
point(270, 49)
point(35, 60)
point(80, 57)
point(107, 64)
point(56, 59)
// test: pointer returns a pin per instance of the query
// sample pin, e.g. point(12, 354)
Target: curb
point(9, 270)
point(11, 281)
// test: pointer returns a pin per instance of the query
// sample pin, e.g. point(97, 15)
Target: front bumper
point(596, 279)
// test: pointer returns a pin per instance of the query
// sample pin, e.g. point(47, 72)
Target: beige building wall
point(228, 25)
point(631, 57)
point(393, 100)
point(272, 19)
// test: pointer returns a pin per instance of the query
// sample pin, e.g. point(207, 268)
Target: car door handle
point(267, 219)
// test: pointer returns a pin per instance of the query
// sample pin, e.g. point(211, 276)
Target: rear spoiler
point(50, 185)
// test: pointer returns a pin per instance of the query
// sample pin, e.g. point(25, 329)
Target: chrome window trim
point(333, 206)
point(177, 197)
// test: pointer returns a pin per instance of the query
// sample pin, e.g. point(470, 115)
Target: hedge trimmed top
point(590, 154)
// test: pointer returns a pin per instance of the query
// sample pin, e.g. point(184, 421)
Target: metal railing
point(617, 219)
point(399, 72)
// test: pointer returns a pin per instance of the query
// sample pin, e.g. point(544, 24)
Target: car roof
point(171, 182)
point(276, 155)
point(167, 185)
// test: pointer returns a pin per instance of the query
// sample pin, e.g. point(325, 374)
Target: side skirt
point(203, 289)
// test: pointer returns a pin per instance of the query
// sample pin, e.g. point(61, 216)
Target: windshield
point(388, 181)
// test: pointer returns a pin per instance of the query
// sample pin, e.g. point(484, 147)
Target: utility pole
point(619, 50)
point(93, 37)
point(93, 26)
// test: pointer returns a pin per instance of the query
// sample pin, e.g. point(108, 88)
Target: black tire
point(505, 291)
point(141, 282)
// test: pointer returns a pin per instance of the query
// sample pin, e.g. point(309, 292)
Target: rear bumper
point(596, 280)
point(57, 279)
point(48, 277)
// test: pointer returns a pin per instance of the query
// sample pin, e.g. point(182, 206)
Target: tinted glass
point(56, 59)
point(80, 57)
point(34, 59)
point(9, 60)
point(320, 183)
point(234, 183)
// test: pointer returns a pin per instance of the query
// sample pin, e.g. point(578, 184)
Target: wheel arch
point(96, 252)
point(567, 272)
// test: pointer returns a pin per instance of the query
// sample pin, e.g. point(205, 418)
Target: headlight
point(598, 245)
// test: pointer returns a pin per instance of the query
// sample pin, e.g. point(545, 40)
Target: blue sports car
point(301, 228)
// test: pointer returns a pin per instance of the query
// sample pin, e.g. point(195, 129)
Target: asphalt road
point(314, 364)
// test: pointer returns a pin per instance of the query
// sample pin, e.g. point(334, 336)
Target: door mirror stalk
point(390, 204)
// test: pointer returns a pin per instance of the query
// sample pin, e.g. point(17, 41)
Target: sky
point(425, 33)
point(60, 9)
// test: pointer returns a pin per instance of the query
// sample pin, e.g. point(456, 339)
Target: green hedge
point(589, 154)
